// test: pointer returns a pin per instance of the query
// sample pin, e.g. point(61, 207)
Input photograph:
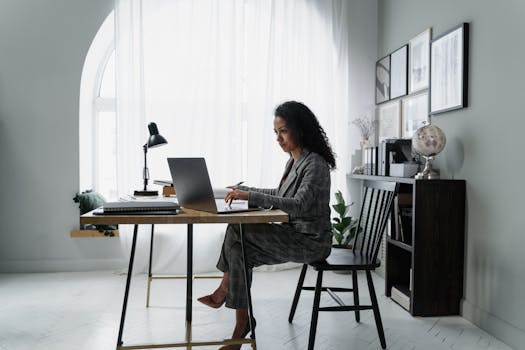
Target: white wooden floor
point(82, 310)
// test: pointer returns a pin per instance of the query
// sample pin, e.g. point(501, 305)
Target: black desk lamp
point(154, 140)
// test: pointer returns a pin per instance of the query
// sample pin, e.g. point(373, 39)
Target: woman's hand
point(234, 187)
point(236, 194)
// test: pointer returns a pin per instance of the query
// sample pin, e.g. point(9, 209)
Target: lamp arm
point(145, 173)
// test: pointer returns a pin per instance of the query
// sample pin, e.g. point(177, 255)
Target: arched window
point(213, 71)
point(97, 114)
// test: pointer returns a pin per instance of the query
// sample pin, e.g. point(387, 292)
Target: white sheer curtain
point(210, 73)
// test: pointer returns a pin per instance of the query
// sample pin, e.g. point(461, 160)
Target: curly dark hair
point(305, 129)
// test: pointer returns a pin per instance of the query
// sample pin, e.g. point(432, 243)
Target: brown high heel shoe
point(241, 336)
point(208, 301)
point(219, 294)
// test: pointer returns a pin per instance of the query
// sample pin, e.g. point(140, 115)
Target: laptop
point(193, 188)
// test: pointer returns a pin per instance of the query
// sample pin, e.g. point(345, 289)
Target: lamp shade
point(155, 139)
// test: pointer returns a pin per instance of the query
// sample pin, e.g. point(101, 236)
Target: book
point(163, 182)
point(401, 296)
point(139, 206)
point(397, 227)
point(168, 191)
point(100, 211)
point(403, 217)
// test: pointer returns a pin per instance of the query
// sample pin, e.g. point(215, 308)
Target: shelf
point(400, 244)
point(401, 295)
point(426, 275)
point(93, 233)
point(405, 180)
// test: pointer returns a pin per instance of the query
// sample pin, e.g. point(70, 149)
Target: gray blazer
point(304, 194)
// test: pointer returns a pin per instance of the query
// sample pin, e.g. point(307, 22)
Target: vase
point(364, 145)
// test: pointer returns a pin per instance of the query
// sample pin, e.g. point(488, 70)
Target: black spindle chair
point(378, 197)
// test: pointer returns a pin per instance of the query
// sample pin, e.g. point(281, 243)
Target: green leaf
point(347, 220)
point(340, 208)
point(338, 237)
point(339, 197)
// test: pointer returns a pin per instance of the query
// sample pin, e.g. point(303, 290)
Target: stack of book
point(403, 217)
point(138, 207)
point(370, 163)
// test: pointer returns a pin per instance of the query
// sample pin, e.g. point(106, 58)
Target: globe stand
point(428, 173)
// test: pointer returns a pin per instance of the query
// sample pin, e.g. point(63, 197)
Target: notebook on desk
point(194, 191)
point(138, 207)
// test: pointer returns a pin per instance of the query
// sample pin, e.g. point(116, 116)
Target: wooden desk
point(189, 217)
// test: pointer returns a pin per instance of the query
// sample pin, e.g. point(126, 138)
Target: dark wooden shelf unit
point(431, 266)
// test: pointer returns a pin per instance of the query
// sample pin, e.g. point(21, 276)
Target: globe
point(428, 140)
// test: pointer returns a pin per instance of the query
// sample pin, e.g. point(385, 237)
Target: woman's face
point(284, 137)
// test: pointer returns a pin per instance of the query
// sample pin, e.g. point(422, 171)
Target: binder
point(139, 207)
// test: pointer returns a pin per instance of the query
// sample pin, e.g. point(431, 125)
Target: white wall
point(362, 55)
point(42, 49)
point(484, 147)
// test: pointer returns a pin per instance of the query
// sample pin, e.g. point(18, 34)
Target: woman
point(303, 193)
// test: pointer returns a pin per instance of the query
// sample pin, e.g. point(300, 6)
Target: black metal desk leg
point(189, 274)
point(246, 285)
point(128, 282)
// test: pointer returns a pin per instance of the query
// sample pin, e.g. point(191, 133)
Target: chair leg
point(315, 311)
point(375, 307)
point(355, 288)
point(297, 293)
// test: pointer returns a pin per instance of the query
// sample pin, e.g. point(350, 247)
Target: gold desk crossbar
point(171, 278)
point(189, 344)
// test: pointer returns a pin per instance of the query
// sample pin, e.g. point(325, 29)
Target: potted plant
point(344, 227)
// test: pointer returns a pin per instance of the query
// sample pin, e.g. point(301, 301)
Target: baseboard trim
point(61, 265)
point(501, 329)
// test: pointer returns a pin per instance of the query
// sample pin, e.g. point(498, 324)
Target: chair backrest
point(378, 198)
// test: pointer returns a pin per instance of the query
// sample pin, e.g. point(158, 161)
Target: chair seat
point(345, 259)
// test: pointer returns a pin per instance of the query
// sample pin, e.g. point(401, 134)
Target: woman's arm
point(314, 178)
point(270, 191)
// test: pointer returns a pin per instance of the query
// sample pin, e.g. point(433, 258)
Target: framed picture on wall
point(389, 120)
point(383, 80)
point(399, 72)
point(449, 70)
point(414, 114)
point(419, 61)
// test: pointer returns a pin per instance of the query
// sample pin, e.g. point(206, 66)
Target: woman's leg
point(242, 328)
point(217, 298)
point(264, 244)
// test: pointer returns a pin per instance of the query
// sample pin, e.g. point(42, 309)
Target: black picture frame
point(449, 58)
point(382, 85)
point(399, 72)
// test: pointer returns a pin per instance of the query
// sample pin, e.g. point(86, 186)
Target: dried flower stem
point(366, 127)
